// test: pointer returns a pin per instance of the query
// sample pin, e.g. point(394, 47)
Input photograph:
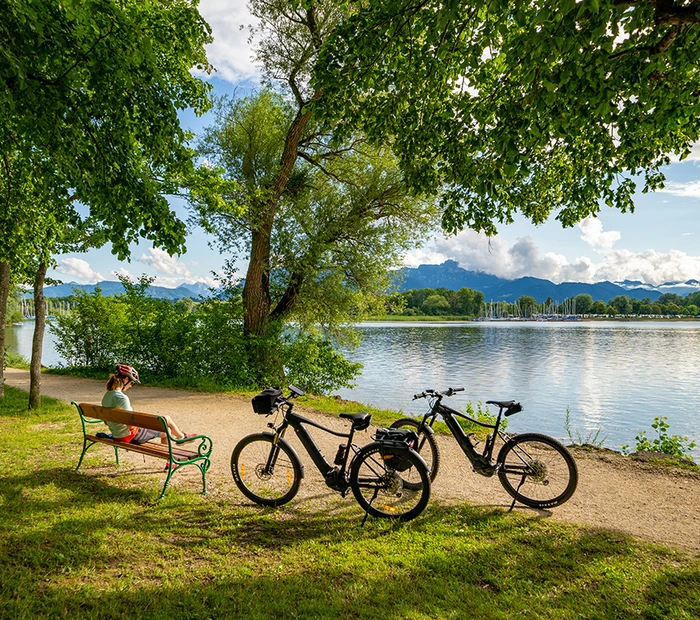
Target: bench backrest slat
point(120, 416)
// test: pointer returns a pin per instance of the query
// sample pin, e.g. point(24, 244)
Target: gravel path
point(614, 492)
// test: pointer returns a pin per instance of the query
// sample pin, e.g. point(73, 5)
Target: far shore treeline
point(469, 303)
point(465, 302)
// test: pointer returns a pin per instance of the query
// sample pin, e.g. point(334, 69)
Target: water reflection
point(18, 339)
point(617, 376)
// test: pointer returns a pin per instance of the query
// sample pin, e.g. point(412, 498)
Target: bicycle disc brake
point(262, 472)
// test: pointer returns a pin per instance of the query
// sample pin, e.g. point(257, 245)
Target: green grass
point(97, 545)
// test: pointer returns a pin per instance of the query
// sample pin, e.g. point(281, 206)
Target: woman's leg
point(174, 429)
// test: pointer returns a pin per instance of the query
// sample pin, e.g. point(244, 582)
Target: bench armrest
point(205, 445)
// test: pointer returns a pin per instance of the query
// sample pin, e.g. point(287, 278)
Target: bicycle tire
point(427, 444)
point(531, 463)
point(381, 491)
point(249, 460)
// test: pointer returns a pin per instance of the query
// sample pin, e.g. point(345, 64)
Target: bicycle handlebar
point(428, 393)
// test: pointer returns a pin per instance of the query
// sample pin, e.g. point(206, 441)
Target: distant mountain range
point(451, 276)
point(184, 291)
point(448, 275)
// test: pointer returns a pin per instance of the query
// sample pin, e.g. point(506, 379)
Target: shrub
point(672, 445)
point(194, 344)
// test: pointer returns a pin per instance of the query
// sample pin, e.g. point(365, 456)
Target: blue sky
point(658, 243)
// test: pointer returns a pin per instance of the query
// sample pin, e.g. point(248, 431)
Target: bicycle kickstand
point(370, 503)
point(516, 490)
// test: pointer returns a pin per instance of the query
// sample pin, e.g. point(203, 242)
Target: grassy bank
point(97, 545)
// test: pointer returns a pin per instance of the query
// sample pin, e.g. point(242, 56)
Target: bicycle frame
point(482, 463)
point(297, 421)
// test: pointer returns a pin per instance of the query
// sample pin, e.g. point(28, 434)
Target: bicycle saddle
point(360, 421)
point(501, 403)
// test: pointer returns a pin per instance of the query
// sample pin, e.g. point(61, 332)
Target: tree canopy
point(342, 221)
point(533, 107)
point(319, 217)
point(89, 95)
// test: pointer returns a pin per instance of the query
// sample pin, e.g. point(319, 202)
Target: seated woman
point(123, 378)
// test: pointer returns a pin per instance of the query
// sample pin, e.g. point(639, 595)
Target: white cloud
point(421, 257)
point(172, 272)
point(80, 270)
point(164, 263)
point(648, 266)
point(684, 190)
point(478, 252)
point(593, 234)
point(230, 53)
point(475, 251)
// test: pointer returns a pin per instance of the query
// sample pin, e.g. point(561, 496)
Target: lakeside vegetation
point(199, 556)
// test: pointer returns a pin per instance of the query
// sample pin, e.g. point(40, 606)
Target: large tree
point(535, 106)
point(324, 246)
point(318, 218)
point(89, 97)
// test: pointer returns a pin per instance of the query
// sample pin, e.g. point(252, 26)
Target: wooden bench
point(176, 452)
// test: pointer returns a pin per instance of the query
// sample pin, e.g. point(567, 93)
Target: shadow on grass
point(77, 545)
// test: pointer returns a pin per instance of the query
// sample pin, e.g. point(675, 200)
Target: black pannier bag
point(396, 438)
point(265, 402)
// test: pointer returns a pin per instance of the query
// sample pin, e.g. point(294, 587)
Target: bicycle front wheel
point(537, 470)
point(427, 445)
point(380, 489)
point(266, 472)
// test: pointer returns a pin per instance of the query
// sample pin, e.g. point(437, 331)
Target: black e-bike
point(387, 477)
point(534, 469)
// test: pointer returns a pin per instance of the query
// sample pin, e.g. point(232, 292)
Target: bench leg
point(204, 467)
point(171, 471)
point(86, 446)
point(116, 454)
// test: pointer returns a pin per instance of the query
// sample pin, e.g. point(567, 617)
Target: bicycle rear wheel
point(380, 489)
point(427, 445)
point(537, 470)
point(267, 473)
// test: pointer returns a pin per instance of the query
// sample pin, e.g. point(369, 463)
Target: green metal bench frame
point(173, 452)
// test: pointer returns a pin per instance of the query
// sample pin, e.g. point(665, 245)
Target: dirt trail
point(613, 492)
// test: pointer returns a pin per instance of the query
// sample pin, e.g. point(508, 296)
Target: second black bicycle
point(534, 469)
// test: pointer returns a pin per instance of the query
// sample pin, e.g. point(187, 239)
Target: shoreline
point(459, 319)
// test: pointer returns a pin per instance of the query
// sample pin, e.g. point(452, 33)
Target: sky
point(658, 243)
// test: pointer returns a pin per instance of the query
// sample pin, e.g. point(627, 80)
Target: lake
point(611, 375)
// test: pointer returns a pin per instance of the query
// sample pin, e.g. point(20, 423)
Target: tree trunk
point(4, 294)
point(256, 290)
point(38, 340)
point(263, 357)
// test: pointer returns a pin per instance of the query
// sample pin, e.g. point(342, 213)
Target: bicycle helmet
point(123, 370)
